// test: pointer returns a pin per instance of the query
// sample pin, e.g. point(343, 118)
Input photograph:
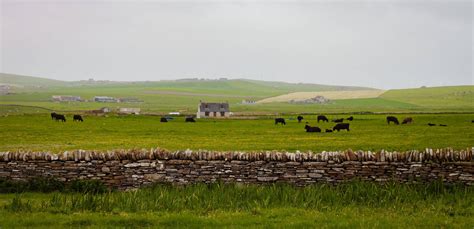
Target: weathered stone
point(267, 179)
point(153, 177)
point(125, 170)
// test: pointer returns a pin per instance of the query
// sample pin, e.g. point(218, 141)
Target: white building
point(213, 110)
point(125, 110)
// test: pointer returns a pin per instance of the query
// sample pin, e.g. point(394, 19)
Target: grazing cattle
point(189, 119)
point(53, 116)
point(431, 124)
point(322, 118)
point(443, 125)
point(392, 119)
point(280, 120)
point(312, 129)
point(338, 120)
point(163, 119)
point(407, 120)
point(77, 118)
point(341, 126)
point(472, 121)
point(328, 130)
point(350, 118)
point(60, 117)
point(300, 118)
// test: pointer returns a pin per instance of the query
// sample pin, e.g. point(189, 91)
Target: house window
point(215, 114)
point(222, 113)
point(206, 113)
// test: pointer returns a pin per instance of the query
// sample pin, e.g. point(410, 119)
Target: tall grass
point(234, 197)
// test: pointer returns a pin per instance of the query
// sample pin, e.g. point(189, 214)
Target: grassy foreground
point(367, 132)
point(356, 204)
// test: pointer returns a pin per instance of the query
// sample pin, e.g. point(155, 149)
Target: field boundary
point(428, 155)
point(133, 169)
point(38, 107)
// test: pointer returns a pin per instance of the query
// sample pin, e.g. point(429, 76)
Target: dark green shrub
point(46, 185)
point(38, 184)
point(88, 186)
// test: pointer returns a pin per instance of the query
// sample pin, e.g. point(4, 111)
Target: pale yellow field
point(328, 94)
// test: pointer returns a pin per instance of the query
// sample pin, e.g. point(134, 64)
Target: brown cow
point(407, 120)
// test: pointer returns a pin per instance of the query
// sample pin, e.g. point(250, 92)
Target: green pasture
point(367, 132)
point(351, 205)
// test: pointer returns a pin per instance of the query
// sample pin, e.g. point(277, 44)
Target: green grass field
point(25, 124)
point(368, 132)
point(351, 205)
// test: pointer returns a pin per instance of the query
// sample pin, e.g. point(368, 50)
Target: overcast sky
point(383, 44)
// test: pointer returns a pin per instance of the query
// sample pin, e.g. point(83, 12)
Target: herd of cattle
point(314, 129)
point(340, 125)
point(76, 117)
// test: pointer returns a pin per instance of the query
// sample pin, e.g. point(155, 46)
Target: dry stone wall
point(124, 169)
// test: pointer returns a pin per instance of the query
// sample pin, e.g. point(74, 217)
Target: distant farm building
point(5, 89)
point(124, 110)
point(315, 100)
point(100, 111)
point(129, 100)
point(66, 98)
point(206, 110)
point(105, 99)
point(174, 113)
point(105, 109)
point(247, 102)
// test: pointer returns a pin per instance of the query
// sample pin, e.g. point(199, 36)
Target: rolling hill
point(227, 86)
point(433, 97)
point(21, 81)
point(184, 95)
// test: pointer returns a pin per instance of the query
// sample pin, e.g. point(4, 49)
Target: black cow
point(189, 119)
point(338, 120)
point(431, 124)
point(443, 125)
point(280, 120)
point(53, 116)
point(350, 118)
point(341, 126)
point(312, 129)
point(163, 119)
point(300, 118)
point(472, 121)
point(322, 118)
point(392, 119)
point(77, 118)
point(328, 130)
point(60, 117)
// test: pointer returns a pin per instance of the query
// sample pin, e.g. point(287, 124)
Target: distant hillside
point(242, 87)
point(451, 96)
point(29, 81)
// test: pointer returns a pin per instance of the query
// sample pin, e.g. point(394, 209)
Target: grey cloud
point(385, 44)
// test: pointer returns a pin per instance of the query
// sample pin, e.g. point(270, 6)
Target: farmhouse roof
point(214, 107)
